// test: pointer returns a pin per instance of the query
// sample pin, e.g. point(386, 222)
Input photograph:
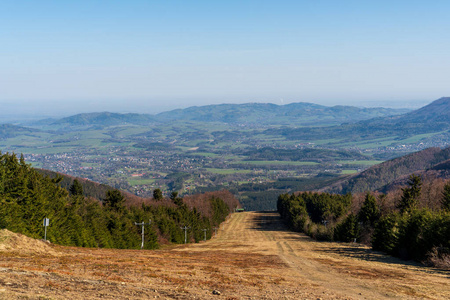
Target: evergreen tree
point(27, 197)
point(76, 189)
point(369, 213)
point(445, 201)
point(157, 194)
point(177, 200)
point(411, 194)
point(114, 200)
point(348, 230)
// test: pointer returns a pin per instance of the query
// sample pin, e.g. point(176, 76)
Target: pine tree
point(348, 230)
point(157, 194)
point(369, 213)
point(114, 200)
point(445, 201)
point(411, 194)
point(76, 189)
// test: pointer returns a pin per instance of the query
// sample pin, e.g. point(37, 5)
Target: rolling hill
point(435, 112)
point(393, 173)
point(295, 114)
point(99, 119)
point(431, 119)
point(9, 131)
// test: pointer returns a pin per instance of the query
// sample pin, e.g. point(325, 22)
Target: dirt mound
point(16, 242)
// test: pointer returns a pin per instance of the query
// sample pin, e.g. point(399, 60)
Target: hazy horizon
point(17, 112)
point(63, 58)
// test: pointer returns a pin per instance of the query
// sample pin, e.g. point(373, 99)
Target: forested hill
point(97, 119)
point(90, 188)
point(435, 112)
point(383, 176)
point(295, 114)
point(9, 131)
point(431, 119)
point(27, 197)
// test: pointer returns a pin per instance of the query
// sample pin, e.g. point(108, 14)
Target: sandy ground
point(253, 256)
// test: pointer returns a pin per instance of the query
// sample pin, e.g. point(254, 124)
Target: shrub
point(439, 258)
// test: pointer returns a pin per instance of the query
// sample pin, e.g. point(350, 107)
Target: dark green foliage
point(385, 236)
point(292, 209)
point(445, 201)
point(326, 207)
point(348, 230)
point(27, 197)
point(410, 194)
point(76, 189)
point(409, 233)
point(220, 210)
point(370, 212)
point(300, 219)
point(411, 241)
point(176, 200)
point(413, 235)
point(436, 234)
point(114, 200)
point(157, 194)
point(313, 213)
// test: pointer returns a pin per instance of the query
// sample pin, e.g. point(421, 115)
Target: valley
point(256, 151)
point(224, 150)
point(253, 256)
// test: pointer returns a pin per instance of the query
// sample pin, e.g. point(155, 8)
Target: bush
point(438, 257)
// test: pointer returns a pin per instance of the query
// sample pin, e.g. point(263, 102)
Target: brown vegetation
point(252, 257)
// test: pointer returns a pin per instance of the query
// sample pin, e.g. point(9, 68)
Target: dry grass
point(252, 257)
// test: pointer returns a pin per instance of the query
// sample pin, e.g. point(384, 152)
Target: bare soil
point(253, 256)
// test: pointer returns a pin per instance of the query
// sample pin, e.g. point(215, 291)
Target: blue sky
point(149, 56)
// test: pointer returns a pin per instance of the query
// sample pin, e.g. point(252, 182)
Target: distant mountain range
point(99, 119)
point(295, 114)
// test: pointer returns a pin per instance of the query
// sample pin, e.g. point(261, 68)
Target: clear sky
point(149, 56)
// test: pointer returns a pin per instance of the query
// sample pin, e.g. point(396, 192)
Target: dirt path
point(347, 270)
point(252, 257)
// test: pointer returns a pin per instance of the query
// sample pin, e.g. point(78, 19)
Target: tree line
point(407, 230)
point(27, 197)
